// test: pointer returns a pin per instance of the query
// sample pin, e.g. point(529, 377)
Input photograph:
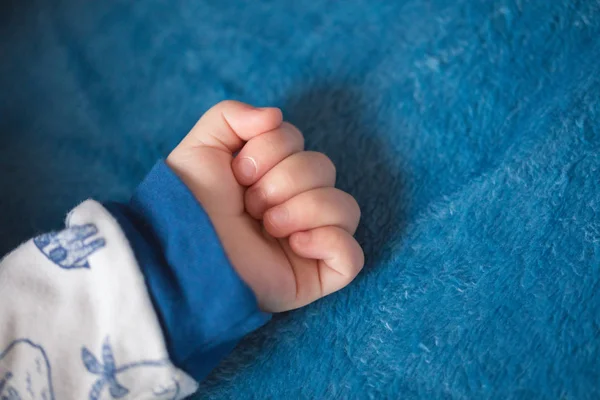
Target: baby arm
point(141, 300)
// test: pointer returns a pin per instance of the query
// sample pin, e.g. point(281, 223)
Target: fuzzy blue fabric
point(468, 131)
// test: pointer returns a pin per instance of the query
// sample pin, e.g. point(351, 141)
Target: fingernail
point(278, 216)
point(302, 238)
point(247, 168)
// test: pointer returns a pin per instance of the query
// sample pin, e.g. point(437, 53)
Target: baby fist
point(285, 228)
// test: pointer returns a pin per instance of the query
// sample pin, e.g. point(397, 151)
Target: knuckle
point(355, 207)
point(324, 164)
point(350, 202)
point(225, 104)
point(295, 134)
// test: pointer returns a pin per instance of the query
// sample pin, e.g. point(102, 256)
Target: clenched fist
point(286, 229)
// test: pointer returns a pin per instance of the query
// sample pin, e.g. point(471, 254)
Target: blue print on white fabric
point(108, 373)
point(30, 377)
point(70, 248)
point(170, 391)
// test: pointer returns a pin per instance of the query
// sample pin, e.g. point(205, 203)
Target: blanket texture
point(468, 130)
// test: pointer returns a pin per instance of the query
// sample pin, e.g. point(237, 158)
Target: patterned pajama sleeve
point(128, 301)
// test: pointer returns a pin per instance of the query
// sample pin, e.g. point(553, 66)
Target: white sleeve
point(76, 319)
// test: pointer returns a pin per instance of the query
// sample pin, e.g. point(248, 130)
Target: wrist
point(201, 302)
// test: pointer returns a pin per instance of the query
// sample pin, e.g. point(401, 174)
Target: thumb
point(227, 125)
point(203, 158)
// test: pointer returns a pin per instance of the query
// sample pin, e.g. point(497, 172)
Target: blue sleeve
point(202, 304)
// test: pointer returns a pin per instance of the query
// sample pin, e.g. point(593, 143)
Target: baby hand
point(285, 228)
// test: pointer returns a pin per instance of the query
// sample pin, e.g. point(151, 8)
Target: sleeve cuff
point(203, 305)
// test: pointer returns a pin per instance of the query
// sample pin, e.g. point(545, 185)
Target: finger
point(340, 256)
point(264, 151)
point(229, 124)
point(296, 174)
point(313, 209)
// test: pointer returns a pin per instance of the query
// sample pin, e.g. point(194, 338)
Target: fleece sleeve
point(129, 301)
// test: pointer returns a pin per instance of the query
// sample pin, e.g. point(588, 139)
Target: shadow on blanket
point(336, 121)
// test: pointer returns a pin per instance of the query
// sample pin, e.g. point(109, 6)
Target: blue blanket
point(468, 131)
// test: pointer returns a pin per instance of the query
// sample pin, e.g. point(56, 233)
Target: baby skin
point(287, 231)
